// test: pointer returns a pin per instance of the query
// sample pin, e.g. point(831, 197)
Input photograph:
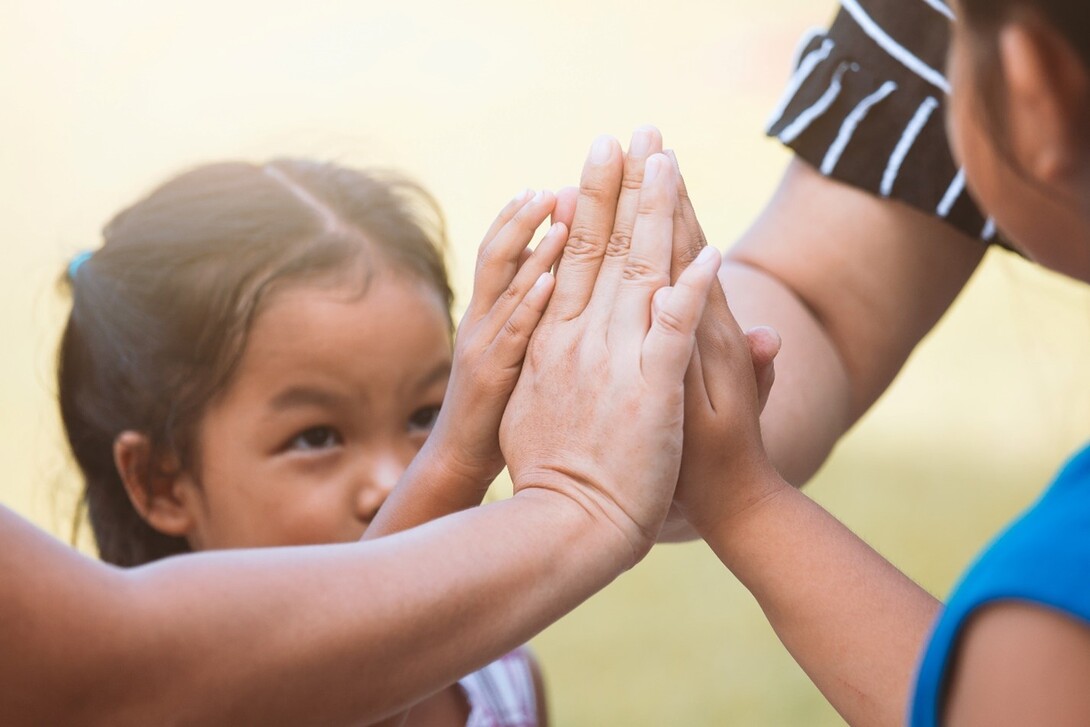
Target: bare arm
point(852, 282)
point(851, 620)
point(325, 634)
point(331, 634)
point(1020, 664)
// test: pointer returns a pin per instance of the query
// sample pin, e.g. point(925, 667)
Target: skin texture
point(334, 634)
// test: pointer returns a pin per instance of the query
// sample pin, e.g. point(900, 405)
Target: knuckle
point(510, 293)
point(632, 181)
point(670, 321)
point(653, 202)
point(595, 191)
point(485, 257)
point(689, 253)
point(581, 243)
point(639, 269)
point(619, 243)
point(512, 329)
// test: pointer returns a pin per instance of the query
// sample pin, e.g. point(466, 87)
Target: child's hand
point(597, 414)
point(511, 287)
point(726, 388)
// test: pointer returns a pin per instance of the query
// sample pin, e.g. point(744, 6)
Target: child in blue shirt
point(1013, 645)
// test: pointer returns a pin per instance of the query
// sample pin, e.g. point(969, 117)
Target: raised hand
point(597, 413)
point(511, 287)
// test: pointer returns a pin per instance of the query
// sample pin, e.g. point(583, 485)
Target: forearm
point(851, 620)
point(328, 634)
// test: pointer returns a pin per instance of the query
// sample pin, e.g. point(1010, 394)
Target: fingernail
point(601, 150)
point(652, 169)
point(555, 229)
point(540, 195)
point(524, 194)
point(706, 256)
point(542, 280)
point(640, 144)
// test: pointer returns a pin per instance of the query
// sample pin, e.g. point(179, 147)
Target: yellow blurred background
point(477, 100)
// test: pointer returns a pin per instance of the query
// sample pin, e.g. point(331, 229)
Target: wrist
point(739, 493)
point(443, 461)
point(617, 531)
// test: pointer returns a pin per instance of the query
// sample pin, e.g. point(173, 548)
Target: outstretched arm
point(853, 622)
point(318, 635)
point(343, 633)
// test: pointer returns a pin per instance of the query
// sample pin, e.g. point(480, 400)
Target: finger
point(498, 262)
point(509, 348)
point(668, 348)
point(646, 141)
point(689, 237)
point(764, 344)
point(505, 215)
point(590, 229)
point(541, 260)
point(524, 256)
point(566, 198)
point(647, 265)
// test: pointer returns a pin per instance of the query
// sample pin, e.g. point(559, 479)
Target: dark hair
point(985, 18)
point(161, 312)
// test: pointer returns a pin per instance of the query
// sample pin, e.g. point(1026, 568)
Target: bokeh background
point(477, 100)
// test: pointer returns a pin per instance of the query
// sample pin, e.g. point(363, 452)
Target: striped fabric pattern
point(865, 106)
point(502, 694)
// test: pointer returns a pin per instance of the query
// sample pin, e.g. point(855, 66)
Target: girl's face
point(1041, 217)
point(333, 396)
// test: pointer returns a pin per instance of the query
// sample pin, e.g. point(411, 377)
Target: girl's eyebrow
point(441, 371)
point(299, 396)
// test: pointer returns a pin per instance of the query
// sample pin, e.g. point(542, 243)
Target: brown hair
point(160, 313)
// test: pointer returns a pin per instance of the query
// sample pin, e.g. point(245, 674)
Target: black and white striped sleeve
point(866, 105)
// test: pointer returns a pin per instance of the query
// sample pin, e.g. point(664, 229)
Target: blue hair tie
point(77, 263)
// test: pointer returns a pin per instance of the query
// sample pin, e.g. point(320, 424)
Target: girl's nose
point(376, 484)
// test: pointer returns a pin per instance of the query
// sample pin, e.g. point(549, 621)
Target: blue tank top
point(1044, 557)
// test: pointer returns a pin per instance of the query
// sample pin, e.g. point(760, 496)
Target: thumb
point(764, 345)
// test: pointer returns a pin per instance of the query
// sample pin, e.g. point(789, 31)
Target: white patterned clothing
point(865, 106)
point(502, 694)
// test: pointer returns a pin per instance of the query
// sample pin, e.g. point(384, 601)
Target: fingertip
point(709, 257)
point(564, 209)
point(765, 341)
point(654, 168)
point(644, 139)
point(544, 280)
point(603, 149)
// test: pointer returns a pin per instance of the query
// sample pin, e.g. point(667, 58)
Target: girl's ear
point(1047, 86)
point(158, 490)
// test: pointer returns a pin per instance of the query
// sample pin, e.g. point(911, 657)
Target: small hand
point(511, 288)
point(726, 387)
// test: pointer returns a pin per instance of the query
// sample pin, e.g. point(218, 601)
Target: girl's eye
point(422, 420)
point(315, 438)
